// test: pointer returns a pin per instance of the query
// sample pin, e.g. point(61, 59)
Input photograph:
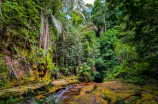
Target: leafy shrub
point(85, 73)
point(3, 67)
point(12, 101)
point(55, 70)
point(121, 101)
point(101, 68)
point(52, 99)
point(64, 70)
point(40, 59)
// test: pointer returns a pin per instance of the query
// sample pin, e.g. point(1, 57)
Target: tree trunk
point(44, 32)
point(104, 1)
point(79, 49)
point(63, 55)
point(56, 60)
point(46, 35)
point(41, 30)
point(104, 22)
point(0, 9)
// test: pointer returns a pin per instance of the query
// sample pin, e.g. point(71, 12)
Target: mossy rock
point(147, 96)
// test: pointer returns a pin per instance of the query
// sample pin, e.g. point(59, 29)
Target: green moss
point(147, 96)
point(151, 88)
point(110, 96)
point(23, 52)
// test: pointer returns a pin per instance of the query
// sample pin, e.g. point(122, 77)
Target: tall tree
point(104, 15)
point(47, 14)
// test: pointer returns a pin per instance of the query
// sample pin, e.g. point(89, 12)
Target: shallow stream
point(69, 92)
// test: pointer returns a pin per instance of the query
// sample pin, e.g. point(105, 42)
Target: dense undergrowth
point(51, 99)
point(53, 39)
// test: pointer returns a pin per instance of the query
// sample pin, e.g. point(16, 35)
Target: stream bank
point(70, 91)
point(112, 92)
point(37, 91)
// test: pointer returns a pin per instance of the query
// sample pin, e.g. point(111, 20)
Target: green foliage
point(66, 42)
point(25, 61)
point(0, 57)
point(79, 45)
point(107, 98)
point(85, 73)
point(2, 101)
point(107, 61)
point(101, 68)
point(52, 99)
point(41, 59)
point(132, 26)
point(56, 70)
point(121, 101)
point(99, 11)
point(140, 80)
point(64, 70)
point(12, 101)
point(4, 76)
point(17, 20)
point(15, 56)
point(130, 48)
point(3, 67)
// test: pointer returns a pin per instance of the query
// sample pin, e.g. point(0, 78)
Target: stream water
point(69, 92)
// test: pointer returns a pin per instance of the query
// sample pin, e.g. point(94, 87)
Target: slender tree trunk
point(47, 39)
point(66, 59)
point(46, 35)
point(56, 60)
point(79, 50)
point(0, 9)
point(104, 22)
point(56, 57)
point(63, 55)
point(44, 32)
point(104, 1)
point(41, 30)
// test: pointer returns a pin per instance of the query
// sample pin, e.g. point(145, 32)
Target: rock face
point(36, 89)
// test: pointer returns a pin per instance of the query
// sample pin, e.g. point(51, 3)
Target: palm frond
point(81, 14)
point(91, 28)
point(57, 24)
point(88, 32)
